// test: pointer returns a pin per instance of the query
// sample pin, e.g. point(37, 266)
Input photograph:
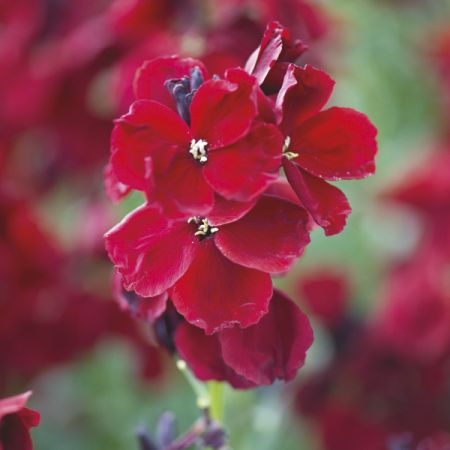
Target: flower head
point(321, 146)
point(199, 139)
point(217, 267)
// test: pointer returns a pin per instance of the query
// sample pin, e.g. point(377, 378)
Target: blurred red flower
point(48, 315)
point(326, 293)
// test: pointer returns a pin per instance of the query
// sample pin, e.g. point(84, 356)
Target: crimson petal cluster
point(219, 218)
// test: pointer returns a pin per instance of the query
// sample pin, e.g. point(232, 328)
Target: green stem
point(210, 397)
point(217, 400)
point(203, 399)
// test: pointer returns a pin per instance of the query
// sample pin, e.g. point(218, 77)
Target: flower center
point(198, 150)
point(204, 228)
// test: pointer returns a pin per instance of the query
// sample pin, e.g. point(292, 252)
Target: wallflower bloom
point(218, 266)
point(211, 144)
point(321, 146)
point(16, 421)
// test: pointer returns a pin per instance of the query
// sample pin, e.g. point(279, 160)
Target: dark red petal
point(326, 203)
point(149, 129)
point(261, 60)
point(268, 62)
point(30, 418)
point(203, 355)
point(244, 169)
point(114, 188)
point(274, 348)
point(150, 253)
point(13, 404)
point(183, 185)
point(14, 434)
point(15, 421)
point(269, 238)
point(304, 92)
point(266, 107)
point(223, 110)
point(215, 293)
point(150, 308)
point(144, 308)
point(151, 76)
point(282, 189)
point(156, 116)
point(226, 211)
point(339, 143)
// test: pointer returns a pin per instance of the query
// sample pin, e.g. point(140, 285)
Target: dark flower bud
point(214, 437)
point(180, 90)
point(166, 429)
point(146, 442)
point(196, 78)
point(165, 327)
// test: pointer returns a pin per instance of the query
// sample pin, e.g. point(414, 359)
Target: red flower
point(269, 62)
point(48, 316)
point(439, 441)
point(15, 423)
point(274, 348)
point(415, 320)
point(426, 187)
point(218, 266)
point(344, 428)
point(223, 151)
point(335, 144)
point(326, 293)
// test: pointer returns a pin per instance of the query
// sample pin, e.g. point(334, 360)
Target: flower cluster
point(219, 220)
